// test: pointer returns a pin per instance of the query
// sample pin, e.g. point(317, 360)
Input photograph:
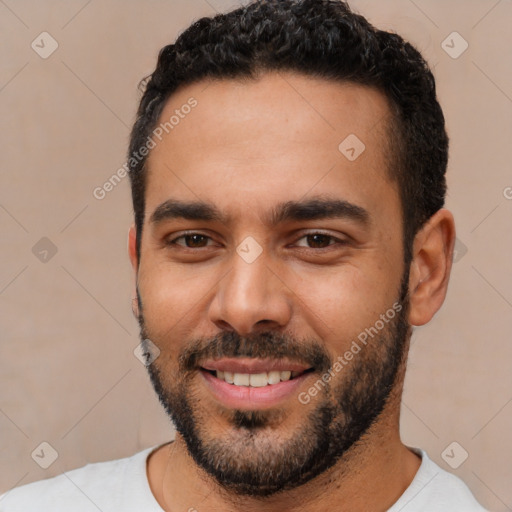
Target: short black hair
point(321, 39)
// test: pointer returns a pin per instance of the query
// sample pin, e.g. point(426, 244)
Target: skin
point(245, 148)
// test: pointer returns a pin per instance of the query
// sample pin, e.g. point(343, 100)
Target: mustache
point(271, 345)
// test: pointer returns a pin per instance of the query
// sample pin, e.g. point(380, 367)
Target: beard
point(253, 456)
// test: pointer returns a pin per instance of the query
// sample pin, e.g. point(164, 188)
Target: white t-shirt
point(122, 486)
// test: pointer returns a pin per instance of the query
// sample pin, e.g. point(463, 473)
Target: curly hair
point(321, 39)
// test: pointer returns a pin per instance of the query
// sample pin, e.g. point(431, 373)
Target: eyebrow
point(303, 210)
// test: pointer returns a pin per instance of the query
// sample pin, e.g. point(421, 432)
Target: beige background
point(68, 373)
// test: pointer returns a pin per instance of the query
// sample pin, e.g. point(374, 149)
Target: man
point(288, 176)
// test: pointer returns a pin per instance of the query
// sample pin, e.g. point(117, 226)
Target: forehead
point(278, 138)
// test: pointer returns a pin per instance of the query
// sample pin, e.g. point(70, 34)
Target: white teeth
point(274, 377)
point(241, 379)
point(256, 380)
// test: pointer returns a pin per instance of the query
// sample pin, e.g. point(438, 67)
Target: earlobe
point(132, 247)
point(135, 306)
point(431, 267)
point(132, 253)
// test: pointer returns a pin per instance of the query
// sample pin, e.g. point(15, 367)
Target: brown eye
point(318, 241)
point(192, 241)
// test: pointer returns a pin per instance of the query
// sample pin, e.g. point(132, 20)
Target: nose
point(251, 297)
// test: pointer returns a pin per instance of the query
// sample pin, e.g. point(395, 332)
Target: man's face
point(259, 290)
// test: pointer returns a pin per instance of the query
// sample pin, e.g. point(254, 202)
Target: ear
point(132, 252)
point(431, 266)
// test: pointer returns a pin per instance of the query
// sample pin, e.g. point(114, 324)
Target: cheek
point(342, 303)
point(172, 297)
point(164, 298)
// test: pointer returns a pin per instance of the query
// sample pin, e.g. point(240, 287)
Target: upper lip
point(251, 365)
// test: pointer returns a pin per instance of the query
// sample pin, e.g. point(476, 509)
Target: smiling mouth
point(257, 380)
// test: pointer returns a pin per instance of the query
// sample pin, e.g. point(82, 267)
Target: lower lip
point(246, 397)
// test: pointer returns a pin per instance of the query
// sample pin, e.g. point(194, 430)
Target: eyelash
point(172, 242)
